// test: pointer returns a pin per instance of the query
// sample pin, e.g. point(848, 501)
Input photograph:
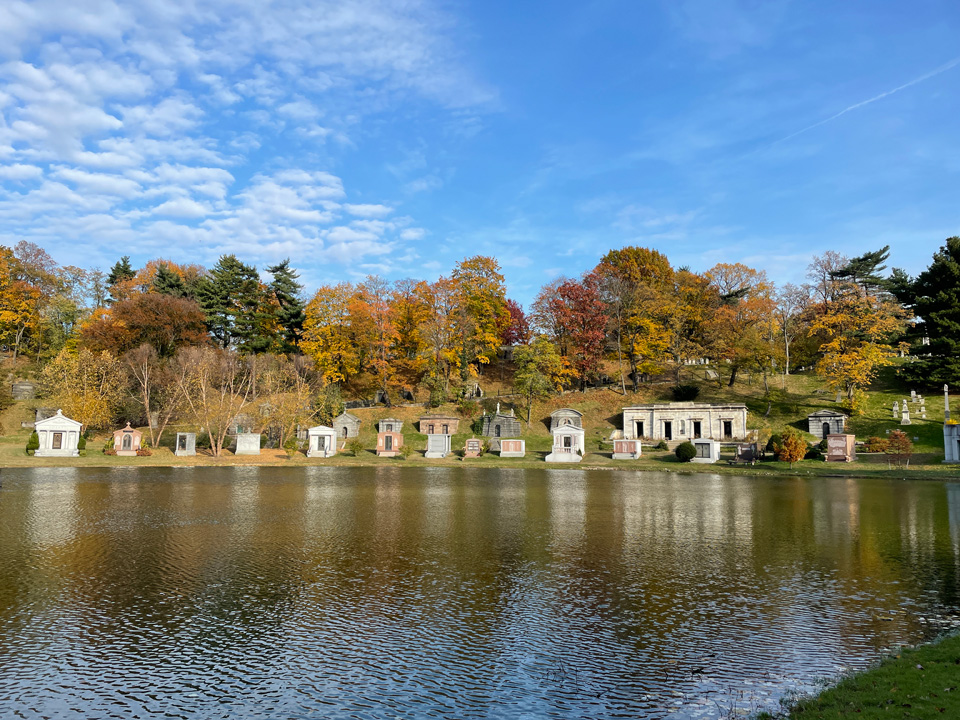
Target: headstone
point(472, 448)
point(247, 444)
point(24, 390)
point(626, 450)
point(913, 394)
point(946, 403)
point(712, 374)
point(186, 444)
point(840, 448)
point(708, 451)
point(896, 409)
point(512, 448)
point(905, 415)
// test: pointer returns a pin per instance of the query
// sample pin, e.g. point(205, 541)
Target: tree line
point(180, 339)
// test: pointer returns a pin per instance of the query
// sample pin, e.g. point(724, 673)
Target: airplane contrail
point(943, 68)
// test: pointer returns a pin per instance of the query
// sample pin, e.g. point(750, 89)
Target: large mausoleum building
point(681, 421)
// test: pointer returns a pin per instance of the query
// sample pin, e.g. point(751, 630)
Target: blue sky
point(397, 138)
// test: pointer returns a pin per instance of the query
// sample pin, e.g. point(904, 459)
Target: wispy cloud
point(926, 76)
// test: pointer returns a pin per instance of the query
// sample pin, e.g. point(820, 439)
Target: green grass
point(916, 684)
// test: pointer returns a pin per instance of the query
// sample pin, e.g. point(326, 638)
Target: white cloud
point(368, 211)
point(182, 207)
point(413, 234)
point(20, 172)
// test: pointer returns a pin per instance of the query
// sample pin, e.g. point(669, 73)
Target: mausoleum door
point(57, 441)
point(126, 443)
point(181, 442)
point(727, 428)
point(321, 443)
point(388, 443)
point(496, 431)
point(639, 424)
point(696, 429)
point(667, 430)
point(826, 430)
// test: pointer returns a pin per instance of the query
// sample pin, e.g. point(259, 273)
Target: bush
point(108, 447)
point(685, 393)
point(900, 447)
point(33, 443)
point(814, 453)
point(772, 443)
point(82, 443)
point(685, 451)
point(468, 408)
point(355, 447)
point(876, 445)
point(405, 451)
point(791, 448)
point(144, 452)
point(662, 445)
point(203, 441)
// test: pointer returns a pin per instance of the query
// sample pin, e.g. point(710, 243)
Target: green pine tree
point(935, 297)
point(122, 270)
point(167, 282)
point(235, 306)
point(290, 311)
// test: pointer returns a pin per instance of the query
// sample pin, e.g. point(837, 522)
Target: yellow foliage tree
point(327, 333)
point(87, 386)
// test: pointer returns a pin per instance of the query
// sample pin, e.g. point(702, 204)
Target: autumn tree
point(19, 303)
point(517, 330)
point(482, 313)
point(410, 312)
point(154, 385)
point(162, 321)
point(287, 387)
point(791, 448)
point(899, 447)
point(573, 314)
point(439, 330)
point(327, 336)
point(540, 371)
point(216, 386)
point(87, 386)
point(374, 312)
point(635, 284)
point(118, 281)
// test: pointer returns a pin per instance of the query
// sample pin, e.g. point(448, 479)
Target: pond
point(455, 593)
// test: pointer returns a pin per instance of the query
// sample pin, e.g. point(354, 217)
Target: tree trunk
point(733, 376)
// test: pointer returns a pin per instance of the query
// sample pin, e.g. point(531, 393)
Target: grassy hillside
point(790, 401)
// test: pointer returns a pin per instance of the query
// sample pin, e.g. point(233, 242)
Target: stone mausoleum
point(346, 425)
point(58, 435)
point(126, 441)
point(439, 424)
point(501, 424)
point(826, 422)
point(681, 421)
point(186, 444)
point(321, 441)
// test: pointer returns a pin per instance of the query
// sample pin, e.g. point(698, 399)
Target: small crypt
point(826, 422)
point(389, 442)
point(568, 444)
point(500, 424)
point(438, 446)
point(58, 435)
point(565, 417)
point(321, 441)
point(390, 425)
point(247, 444)
point(513, 448)
point(707, 451)
point(346, 425)
point(127, 441)
point(626, 450)
point(186, 444)
point(951, 431)
point(439, 424)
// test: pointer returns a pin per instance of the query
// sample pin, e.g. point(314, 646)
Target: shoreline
point(918, 682)
point(653, 462)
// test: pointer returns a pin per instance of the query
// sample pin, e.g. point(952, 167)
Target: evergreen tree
point(935, 296)
point(290, 306)
point(234, 303)
point(167, 282)
point(865, 270)
point(121, 272)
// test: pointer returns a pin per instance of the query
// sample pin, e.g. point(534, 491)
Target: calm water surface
point(448, 593)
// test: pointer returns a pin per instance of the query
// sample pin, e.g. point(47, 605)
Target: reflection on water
point(454, 593)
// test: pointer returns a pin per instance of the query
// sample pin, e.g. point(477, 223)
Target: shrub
point(33, 443)
point(876, 445)
point(290, 445)
point(477, 426)
point(772, 443)
point(82, 443)
point(662, 445)
point(203, 441)
point(685, 451)
point(144, 451)
point(685, 393)
point(405, 451)
point(792, 447)
point(468, 408)
point(899, 447)
point(355, 447)
point(108, 447)
point(814, 453)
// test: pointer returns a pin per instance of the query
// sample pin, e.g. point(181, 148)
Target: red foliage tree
point(162, 321)
point(517, 332)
